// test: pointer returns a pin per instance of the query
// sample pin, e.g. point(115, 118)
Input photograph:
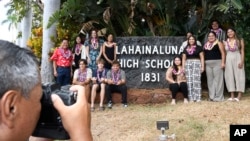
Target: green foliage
point(228, 4)
point(16, 11)
point(240, 19)
point(75, 11)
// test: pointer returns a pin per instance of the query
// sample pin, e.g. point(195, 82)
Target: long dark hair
point(175, 67)
point(74, 47)
point(90, 35)
point(195, 41)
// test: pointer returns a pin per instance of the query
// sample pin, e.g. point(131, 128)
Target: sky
point(5, 34)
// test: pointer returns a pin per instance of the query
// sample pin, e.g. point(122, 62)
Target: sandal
point(236, 99)
point(101, 108)
point(92, 109)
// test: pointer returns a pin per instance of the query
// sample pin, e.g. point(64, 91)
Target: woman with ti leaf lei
point(215, 63)
point(234, 69)
point(193, 64)
point(177, 81)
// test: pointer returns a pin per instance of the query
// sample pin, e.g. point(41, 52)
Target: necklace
point(100, 74)
point(209, 46)
point(180, 71)
point(78, 49)
point(94, 43)
point(82, 75)
point(233, 47)
point(65, 53)
point(190, 50)
point(116, 76)
point(217, 32)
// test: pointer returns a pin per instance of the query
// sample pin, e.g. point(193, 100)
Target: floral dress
point(94, 50)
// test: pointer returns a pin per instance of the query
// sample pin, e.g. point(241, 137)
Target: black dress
point(77, 58)
point(109, 51)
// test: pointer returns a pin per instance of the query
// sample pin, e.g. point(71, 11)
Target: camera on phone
point(50, 124)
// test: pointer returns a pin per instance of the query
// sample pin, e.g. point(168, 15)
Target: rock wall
point(144, 96)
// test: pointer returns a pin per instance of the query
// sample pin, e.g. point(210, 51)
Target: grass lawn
point(204, 121)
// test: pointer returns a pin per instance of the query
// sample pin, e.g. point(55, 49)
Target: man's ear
point(9, 107)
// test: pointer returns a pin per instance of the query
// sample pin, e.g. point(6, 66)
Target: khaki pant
point(215, 80)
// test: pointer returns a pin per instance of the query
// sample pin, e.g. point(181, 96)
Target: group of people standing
point(93, 65)
point(221, 57)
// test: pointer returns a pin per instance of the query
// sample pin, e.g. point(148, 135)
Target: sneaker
point(185, 101)
point(236, 99)
point(125, 105)
point(92, 109)
point(101, 108)
point(173, 102)
point(110, 105)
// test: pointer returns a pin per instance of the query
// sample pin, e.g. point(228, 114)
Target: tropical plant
point(35, 41)
point(17, 11)
point(238, 11)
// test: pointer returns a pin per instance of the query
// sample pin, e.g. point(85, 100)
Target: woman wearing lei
point(193, 66)
point(99, 82)
point(82, 76)
point(177, 80)
point(109, 51)
point(215, 63)
point(93, 50)
point(77, 52)
point(234, 69)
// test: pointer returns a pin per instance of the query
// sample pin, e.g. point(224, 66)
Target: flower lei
point(191, 50)
point(82, 75)
point(100, 74)
point(78, 49)
point(94, 43)
point(116, 76)
point(66, 54)
point(180, 71)
point(231, 48)
point(209, 46)
point(218, 31)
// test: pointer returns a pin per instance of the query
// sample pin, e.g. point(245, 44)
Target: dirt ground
point(204, 121)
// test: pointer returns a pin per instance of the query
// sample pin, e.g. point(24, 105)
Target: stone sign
point(146, 59)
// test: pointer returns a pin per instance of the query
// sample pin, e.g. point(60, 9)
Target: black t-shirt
point(195, 54)
point(213, 54)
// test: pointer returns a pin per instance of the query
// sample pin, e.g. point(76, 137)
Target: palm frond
point(237, 4)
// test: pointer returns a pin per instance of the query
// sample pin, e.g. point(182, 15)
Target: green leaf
point(237, 4)
point(222, 7)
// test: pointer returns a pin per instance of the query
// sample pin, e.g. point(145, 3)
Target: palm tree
point(26, 24)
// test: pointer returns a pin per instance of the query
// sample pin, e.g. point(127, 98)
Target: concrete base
point(145, 96)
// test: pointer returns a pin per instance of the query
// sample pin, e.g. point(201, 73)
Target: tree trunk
point(50, 6)
point(26, 26)
point(18, 29)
